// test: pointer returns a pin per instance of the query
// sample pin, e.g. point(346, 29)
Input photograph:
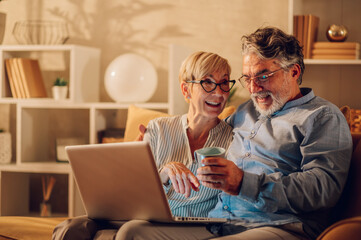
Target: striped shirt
point(169, 143)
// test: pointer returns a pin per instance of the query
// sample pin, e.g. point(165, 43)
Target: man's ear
point(295, 71)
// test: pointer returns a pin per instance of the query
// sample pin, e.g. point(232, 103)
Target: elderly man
point(288, 161)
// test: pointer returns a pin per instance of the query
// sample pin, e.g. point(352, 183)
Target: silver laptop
point(120, 181)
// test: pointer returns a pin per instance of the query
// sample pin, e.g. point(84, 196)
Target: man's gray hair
point(272, 43)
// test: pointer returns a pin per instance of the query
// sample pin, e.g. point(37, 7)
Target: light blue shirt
point(295, 164)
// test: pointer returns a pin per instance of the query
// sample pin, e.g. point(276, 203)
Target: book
point(21, 78)
point(342, 45)
point(336, 56)
point(295, 26)
point(305, 35)
point(15, 78)
point(10, 78)
point(334, 51)
point(312, 33)
point(305, 29)
point(33, 80)
point(300, 19)
point(18, 80)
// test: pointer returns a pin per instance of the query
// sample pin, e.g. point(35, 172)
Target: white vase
point(60, 92)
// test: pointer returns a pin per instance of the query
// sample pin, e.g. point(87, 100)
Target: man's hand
point(222, 174)
point(183, 180)
point(142, 130)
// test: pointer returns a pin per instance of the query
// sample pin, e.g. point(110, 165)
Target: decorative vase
point(2, 26)
point(5, 147)
point(45, 209)
point(60, 92)
point(336, 33)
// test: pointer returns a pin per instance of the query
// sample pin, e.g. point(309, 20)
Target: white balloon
point(130, 78)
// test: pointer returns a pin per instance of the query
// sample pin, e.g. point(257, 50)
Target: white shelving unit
point(335, 80)
point(35, 124)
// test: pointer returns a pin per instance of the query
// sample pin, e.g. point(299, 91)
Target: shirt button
point(252, 132)
point(225, 207)
point(248, 154)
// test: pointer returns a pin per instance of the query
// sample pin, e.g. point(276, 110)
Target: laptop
point(120, 181)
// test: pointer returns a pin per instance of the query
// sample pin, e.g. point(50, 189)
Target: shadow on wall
point(113, 25)
point(118, 28)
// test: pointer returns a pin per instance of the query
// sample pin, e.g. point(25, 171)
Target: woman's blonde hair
point(200, 64)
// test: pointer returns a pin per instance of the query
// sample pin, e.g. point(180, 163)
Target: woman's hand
point(182, 178)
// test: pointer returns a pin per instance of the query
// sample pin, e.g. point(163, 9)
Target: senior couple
point(287, 161)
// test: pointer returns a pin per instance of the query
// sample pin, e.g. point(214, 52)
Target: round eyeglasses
point(209, 84)
point(259, 79)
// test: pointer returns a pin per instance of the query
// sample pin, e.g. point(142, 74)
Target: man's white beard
point(277, 102)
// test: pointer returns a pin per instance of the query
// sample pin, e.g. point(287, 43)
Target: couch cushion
point(136, 116)
point(28, 227)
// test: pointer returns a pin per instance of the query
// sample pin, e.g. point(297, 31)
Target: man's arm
point(142, 130)
point(326, 150)
point(324, 168)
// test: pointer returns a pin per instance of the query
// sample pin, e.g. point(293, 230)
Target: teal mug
point(208, 152)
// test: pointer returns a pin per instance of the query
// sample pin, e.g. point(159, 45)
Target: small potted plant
point(60, 88)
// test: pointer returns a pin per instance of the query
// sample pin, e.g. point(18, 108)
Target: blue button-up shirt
point(295, 163)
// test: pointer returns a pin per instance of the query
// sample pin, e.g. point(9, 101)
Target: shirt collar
point(184, 121)
point(307, 95)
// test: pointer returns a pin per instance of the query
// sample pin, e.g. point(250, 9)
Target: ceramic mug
point(208, 152)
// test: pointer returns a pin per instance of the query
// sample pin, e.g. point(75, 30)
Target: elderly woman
point(205, 84)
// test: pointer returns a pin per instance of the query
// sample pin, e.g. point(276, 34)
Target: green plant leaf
point(60, 82)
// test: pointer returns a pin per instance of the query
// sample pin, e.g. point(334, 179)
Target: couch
point(346, 216)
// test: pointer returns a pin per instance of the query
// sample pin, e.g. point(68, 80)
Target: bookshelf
point(333, 79)
point(78, 64)
point(36, 123)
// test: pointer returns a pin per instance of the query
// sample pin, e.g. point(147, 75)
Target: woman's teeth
point(213, 103)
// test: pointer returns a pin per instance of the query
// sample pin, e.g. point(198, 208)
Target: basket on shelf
point(40, 32)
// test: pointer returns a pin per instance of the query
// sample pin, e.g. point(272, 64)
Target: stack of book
point(336, 50)
point(305, 29)
point(25, 78)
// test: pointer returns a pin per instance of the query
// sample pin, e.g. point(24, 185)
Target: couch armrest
point(349, 229)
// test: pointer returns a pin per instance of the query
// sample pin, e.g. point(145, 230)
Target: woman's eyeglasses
point(209, 84)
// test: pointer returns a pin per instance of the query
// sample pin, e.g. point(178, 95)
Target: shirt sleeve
point(151, 136)
point(326, 153)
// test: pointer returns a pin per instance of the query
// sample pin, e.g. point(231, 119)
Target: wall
point(147, 27)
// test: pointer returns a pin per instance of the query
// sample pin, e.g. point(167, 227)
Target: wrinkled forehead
point(253, 64)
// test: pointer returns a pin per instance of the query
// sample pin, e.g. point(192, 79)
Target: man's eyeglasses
point(209, 84)
point(259, 79)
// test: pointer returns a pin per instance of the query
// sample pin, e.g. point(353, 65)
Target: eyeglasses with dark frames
point(209, 84)
point(259, 79)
